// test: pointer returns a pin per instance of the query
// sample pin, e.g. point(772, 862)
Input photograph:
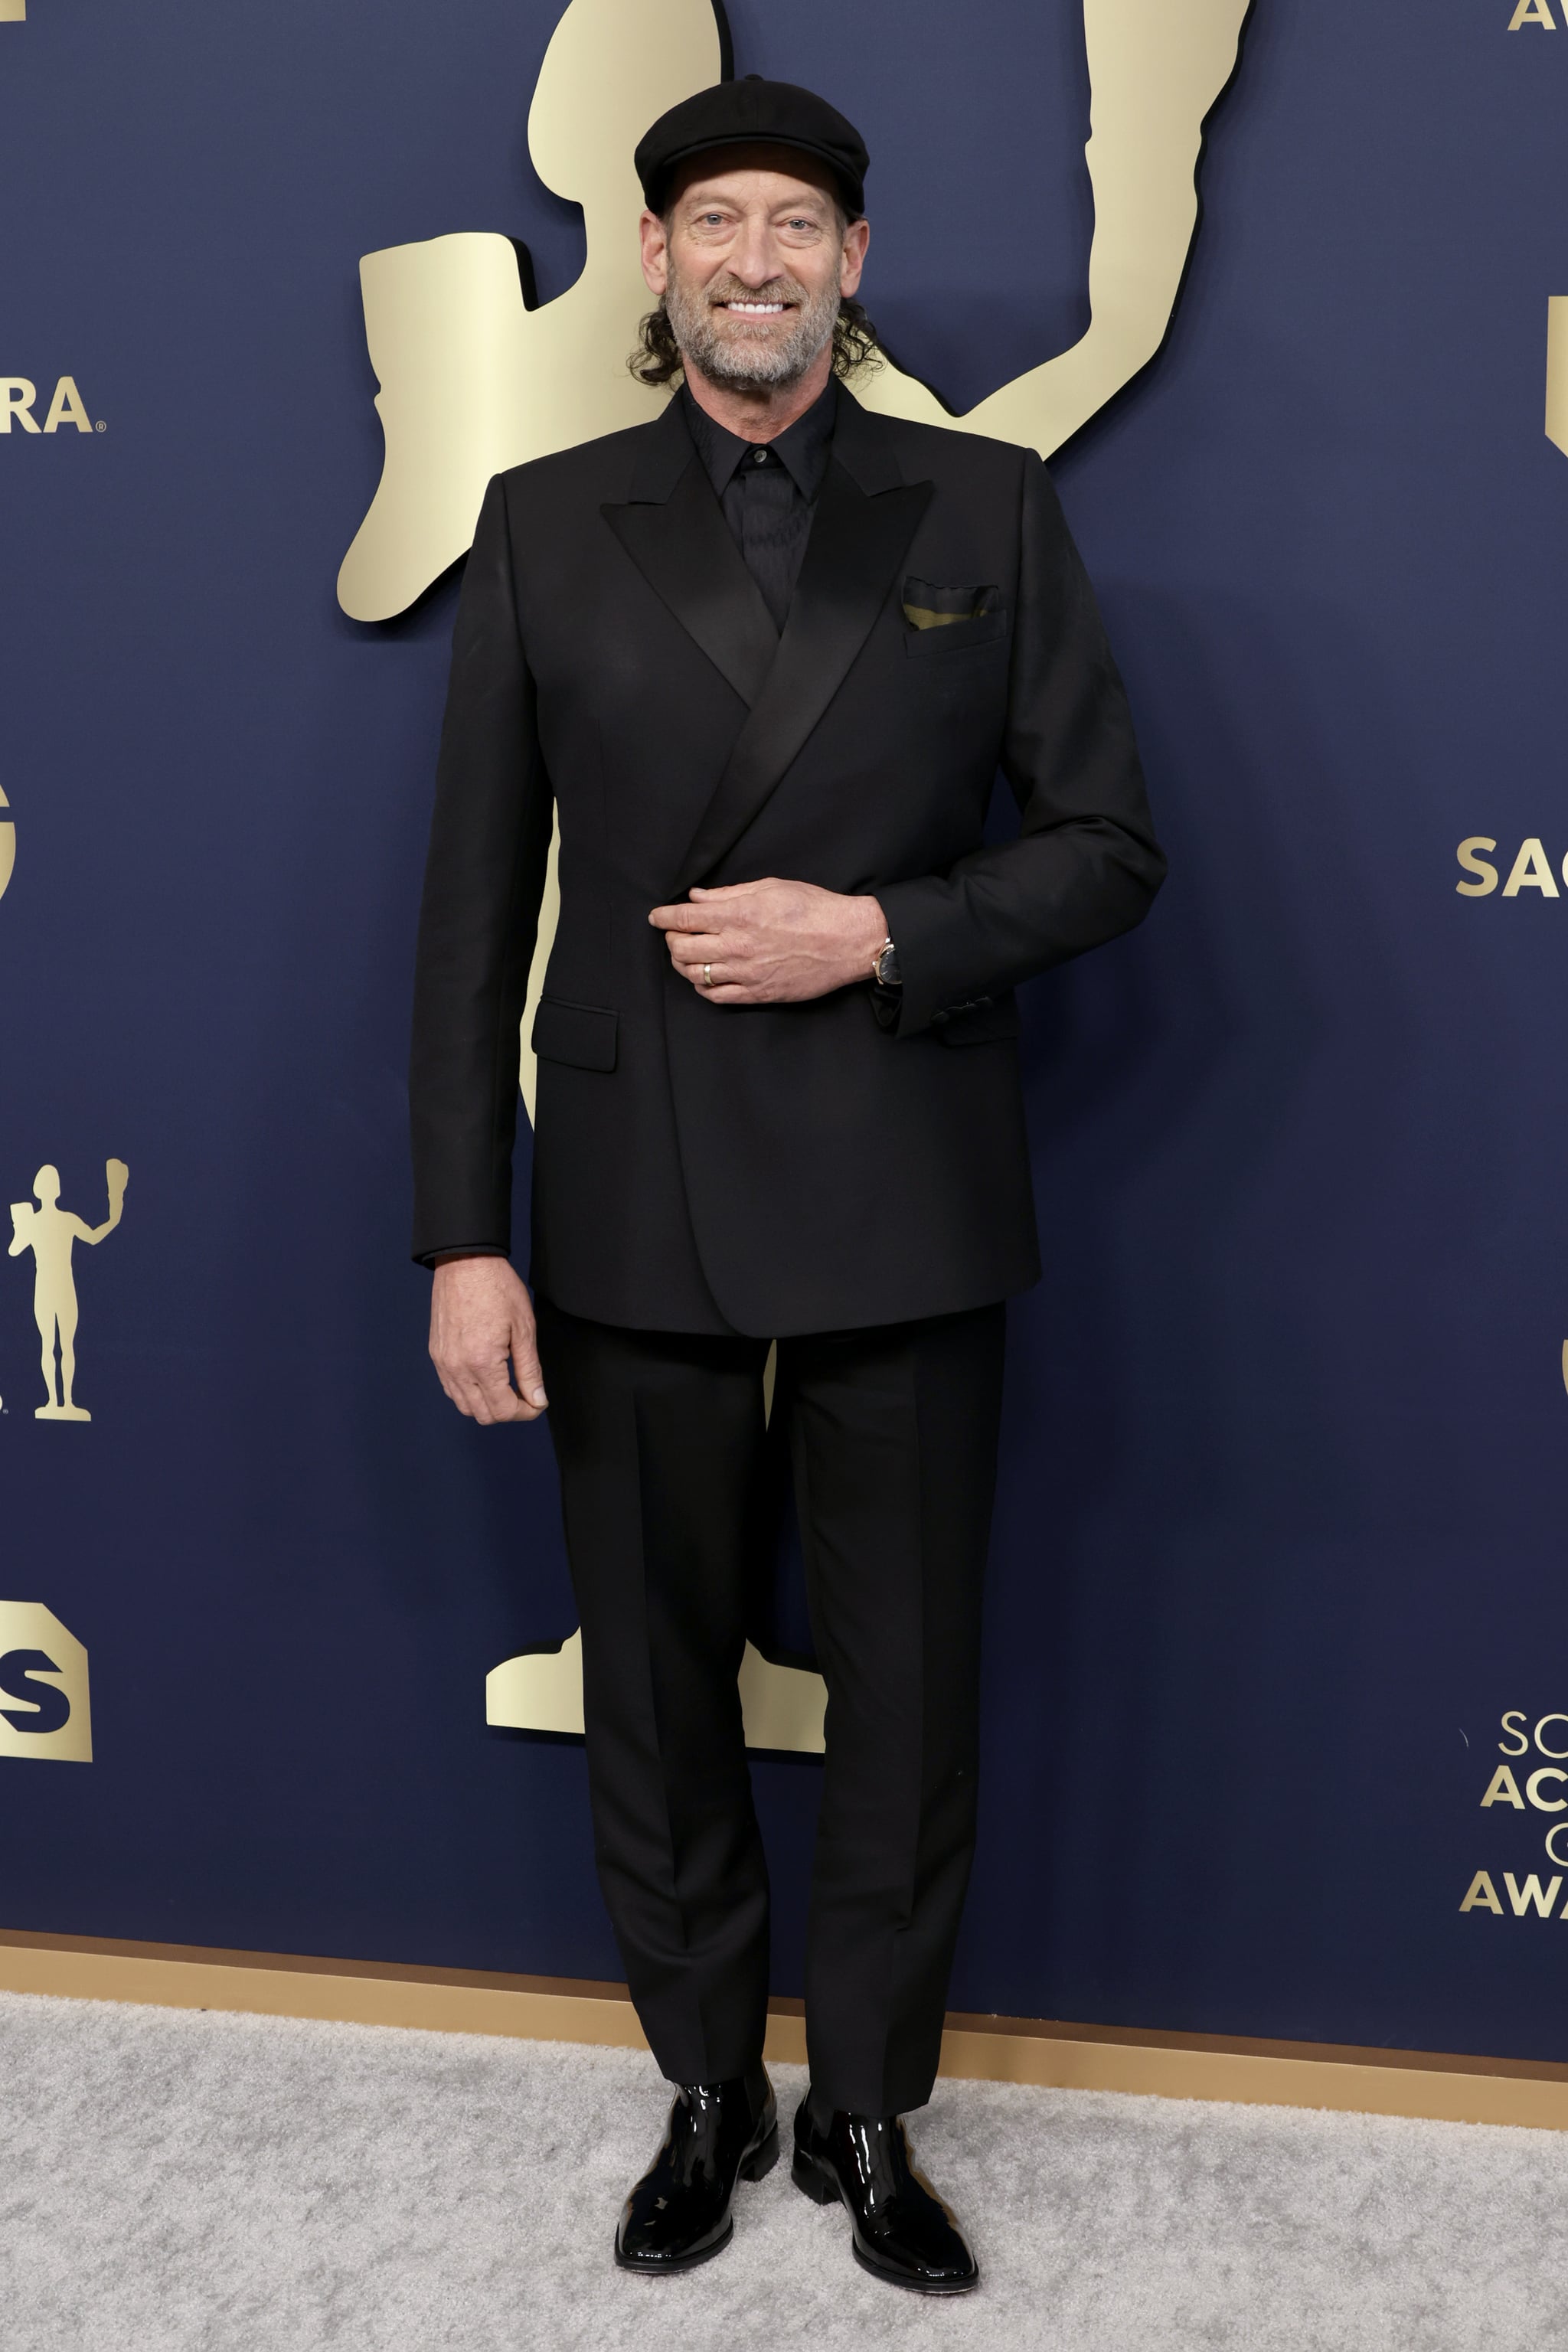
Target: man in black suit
point(765, 656)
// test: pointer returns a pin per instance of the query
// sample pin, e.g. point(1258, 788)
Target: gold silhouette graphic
point(781, 1706)
point(7, 847)
point(541, 1690)
point(1557, 371)
point(51, 1234)
point(44, 1704)
point(473, 380)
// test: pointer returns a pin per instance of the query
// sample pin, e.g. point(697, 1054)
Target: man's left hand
point(772, 942)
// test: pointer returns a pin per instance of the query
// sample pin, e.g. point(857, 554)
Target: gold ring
point(707, 975)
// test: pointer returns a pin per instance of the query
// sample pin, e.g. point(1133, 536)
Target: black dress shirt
point(768, 489)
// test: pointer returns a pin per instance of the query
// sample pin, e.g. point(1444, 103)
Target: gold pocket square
point(928, 605)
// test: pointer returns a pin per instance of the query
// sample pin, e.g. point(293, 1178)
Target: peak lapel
point(674, 530)
point(857, 548)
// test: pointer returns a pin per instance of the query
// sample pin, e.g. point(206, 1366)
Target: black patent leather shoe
point(901, 2230)
point(679, 2213)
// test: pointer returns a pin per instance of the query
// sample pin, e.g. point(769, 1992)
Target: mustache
point(778, 289)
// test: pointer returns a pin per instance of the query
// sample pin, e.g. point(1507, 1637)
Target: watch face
point(888, 968)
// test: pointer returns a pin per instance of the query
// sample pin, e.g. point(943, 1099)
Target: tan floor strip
point(987, 2048)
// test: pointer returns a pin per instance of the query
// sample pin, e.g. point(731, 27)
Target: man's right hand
point(481, 1316)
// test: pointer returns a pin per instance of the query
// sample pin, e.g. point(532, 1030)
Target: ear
point(655, 252)
point(857, 237)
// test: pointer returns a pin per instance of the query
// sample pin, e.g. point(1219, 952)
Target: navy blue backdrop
point(1280, 1525)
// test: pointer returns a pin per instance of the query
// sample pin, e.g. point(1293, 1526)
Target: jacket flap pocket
point(980, 1024)
point(582, 1035)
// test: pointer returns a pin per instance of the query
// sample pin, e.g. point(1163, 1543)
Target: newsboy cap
point(752, 112)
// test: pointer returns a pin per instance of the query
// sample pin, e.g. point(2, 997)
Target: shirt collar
point(803, 448)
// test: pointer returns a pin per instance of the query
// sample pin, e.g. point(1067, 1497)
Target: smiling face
point(752, 258)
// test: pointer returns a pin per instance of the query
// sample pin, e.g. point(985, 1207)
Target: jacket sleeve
point(484, 877)
point(1086, 864)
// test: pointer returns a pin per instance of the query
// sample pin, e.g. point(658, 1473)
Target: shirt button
point(761, 458)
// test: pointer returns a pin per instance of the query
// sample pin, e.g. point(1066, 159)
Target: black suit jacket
point(771, 1169)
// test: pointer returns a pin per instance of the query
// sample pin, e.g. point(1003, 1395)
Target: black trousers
point(668, 1481)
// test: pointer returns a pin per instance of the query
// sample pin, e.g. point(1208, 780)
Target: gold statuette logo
point(473, 380)
point(541, 1690)
point(51, 1234)
point(1557, 372)
point(44, 1709)
point(7, 846)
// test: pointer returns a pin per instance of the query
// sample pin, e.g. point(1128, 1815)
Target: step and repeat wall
point(1276, 1677)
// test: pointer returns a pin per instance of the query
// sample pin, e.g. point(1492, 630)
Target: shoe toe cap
point(926, 2251)
point(646, 2244)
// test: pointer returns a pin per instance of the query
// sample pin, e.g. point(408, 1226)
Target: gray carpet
point(190, 2183)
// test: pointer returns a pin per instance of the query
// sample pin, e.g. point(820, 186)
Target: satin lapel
point(856, 546)
point(682, 547)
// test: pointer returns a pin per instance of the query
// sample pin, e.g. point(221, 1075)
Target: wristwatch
point(885, 966)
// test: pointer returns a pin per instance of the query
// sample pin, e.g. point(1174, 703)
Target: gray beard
point(743, 358)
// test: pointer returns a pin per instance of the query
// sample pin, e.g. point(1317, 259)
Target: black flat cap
point(751, 113)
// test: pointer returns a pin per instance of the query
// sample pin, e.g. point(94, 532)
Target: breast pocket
point(947, 619)
point(963, 637)
point(582, 1035)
